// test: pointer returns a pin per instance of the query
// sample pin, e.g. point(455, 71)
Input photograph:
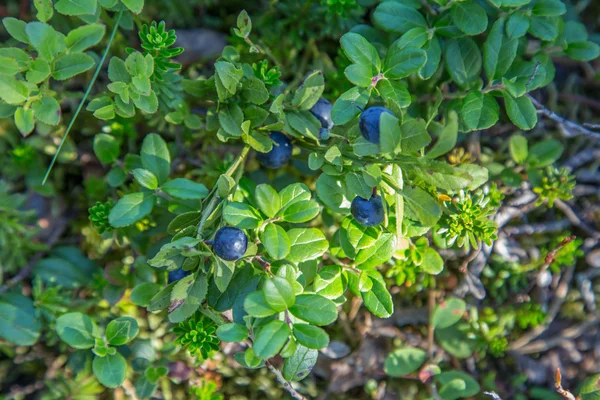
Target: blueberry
point(322, 110)
point(367, 212)
point(280, 154)
point(369, 123)
point(230, 243)
point(178, 274)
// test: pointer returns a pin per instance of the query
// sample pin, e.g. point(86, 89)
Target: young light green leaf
point(155, 156)
point(268, 200)
point(278, 293)
point(306, 244)
point(145, 178)
point(242, 215)
point(518, 148)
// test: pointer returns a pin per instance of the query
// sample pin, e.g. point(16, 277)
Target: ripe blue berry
point(369, 123)
point(230, 243)
point(176, 275)
point(280, 154)
point(367, 212)
point(322, 110)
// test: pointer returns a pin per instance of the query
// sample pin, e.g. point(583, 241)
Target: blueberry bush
point(349, 199)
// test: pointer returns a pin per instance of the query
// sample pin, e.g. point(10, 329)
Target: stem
point(85, 96)
point(286, 385)
point(263, 50)
point(214, 198)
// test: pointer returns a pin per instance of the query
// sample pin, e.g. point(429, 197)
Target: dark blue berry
point(367, 212)
point(178, 274)
point(230, 243)
point(280, 154)
point(322, 110)
point(369, 123)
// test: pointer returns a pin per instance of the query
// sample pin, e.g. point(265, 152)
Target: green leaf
point(268, 200)
point(223, 273)
point(404, 361)
point(310, 336)
point(121, 330)
point(332, 193)
point(314, 309)
point(299, 365)
point(432, 263)
point(70, 65)
point(414, 135)
point(13, 91)
point(76, 7)
point(130, 209)
point(231, 118)
point(394, 93)
point(45, 9)
point(183, 188)
point(590, 388)
point(76, 329)
point(162, 299)
point(228, 75)
point(499, 51)
point(518, 148)
point(192, 299)
point(16, 29)
point(544, 28)
point(45, 40)
point(549, 8)
point(310, 91)
point(396, 17)
point(378, 253)
point(19, 322)
point(106, 148)
point(135, 6)
point(302, 211)
point(349, 105)
point(469, 17)
point(270, 339)
point(24, 120)
point(356, 184)
point(47, 110)
point(402, 63)
point(38, 71)
point(294, 193)
point(455, 385)
point(145, 178)
point(420, 206)
point(155, 156)
point(242, 215)
point(520, 110)
point(276, 241)
point(255, 91)
point(142, 293)
point(84, 37)
point(359, 75)
point(307, 244)
point(544, 153)
point(378, 300)
point(110, 370)
point(305, 123)
point(232, 332)
point(360, 51)
point(463, 61)
point(517, 25)
point(244, 24)
point(583, 51)
point(447, 139)
point(390, 134)
point(448, 313)
point(278, 293)
point(433, 49)
point(479, 111)
point(256, 305)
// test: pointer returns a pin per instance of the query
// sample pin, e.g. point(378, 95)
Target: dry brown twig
point(568, 127)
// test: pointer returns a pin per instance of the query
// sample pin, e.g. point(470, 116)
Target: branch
point(563, 392)
point(286, 385)
point(569, 128)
